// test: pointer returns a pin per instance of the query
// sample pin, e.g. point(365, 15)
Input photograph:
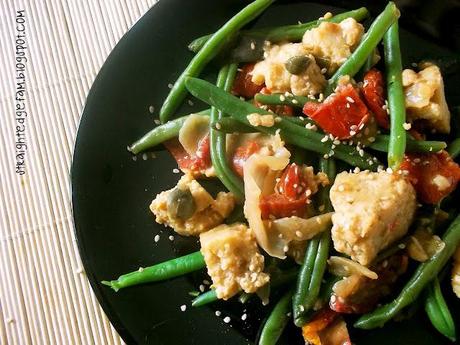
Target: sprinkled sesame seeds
point(144, 156)
point(156, 238)
point(227, 319)
point(298, 233)
point(201, 287)
point(323, 70)
point(170, 85)
point(253, 45)
point(151, 109)
point(176, 171)
point(407, 126)
point(348, 105)
point(157, 122)
point(294, 101)
point(324, 139)
point(171, 238)
point(282, 98)
point(218, 313)
point(183, 307)
point(134, 158)
point(244, 316)
point(218, 125)
point(349, 99)
point(341, 188)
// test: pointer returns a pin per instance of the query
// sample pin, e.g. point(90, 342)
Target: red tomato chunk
point(434, 175)
point(242, 154)
point(243, 85)
point(291, 195)
point(374, 96)
point(196, 163)
point(342, 114)
point(326, 327)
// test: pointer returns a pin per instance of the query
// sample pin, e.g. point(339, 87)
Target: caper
point(297, 64)
point(181, 204)
point(323, 62)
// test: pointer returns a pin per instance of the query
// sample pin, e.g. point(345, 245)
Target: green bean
point(162, 271)
point(287, 32)
point(279, 279)
point(229, 125)
point(454, 148)
point(205, 298)
point(161, 133)
point(280, 99)
point(396, 98)
point(276, 322)
point(382, 143)
point(207, 53)
point(438, 311)
point(312, 271)
point(217, 142)
point(290, 132)
point(424, 273)
point(367, 45)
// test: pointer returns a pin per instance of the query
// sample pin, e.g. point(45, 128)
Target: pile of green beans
point(211, 48)
point(288, 32)
point(315, 262)
point(290, 132)
point(438, 312)
point(162, 271)
point(366, 47)
point(277, 321)
point(424, 274)
point(217, 139)
point(396, 98)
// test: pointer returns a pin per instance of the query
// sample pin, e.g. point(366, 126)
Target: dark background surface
point(111, 191)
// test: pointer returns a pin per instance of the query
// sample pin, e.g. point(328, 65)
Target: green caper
point(323, 62)
point(181, 204)
point(297, 64)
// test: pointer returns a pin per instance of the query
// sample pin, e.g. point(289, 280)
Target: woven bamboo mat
point(53, 49)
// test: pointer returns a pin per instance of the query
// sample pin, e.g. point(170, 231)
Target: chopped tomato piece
point(242, 154)
point(285, 110)
point(342, 114)
point(243, 85)
point(291, 195)
point(196, 163)
point(434, 175)
point(374, 96)
point(326, 328)
point(280, 206)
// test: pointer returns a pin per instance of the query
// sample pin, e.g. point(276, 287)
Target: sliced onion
point(344, 267)
point(194, 129)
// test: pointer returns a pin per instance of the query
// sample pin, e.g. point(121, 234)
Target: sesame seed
point(401, 246)
point(156, 238)
point(321, 208)
point(157, 122)
point(371, 139)
point(170, 85)
point(349, 99)
point(171, 238)
point(134, 158)
point(407, 126)
point(227, 319)
point(253, 45)
point(282, 98)
point(326, 156)
point(356, 170)
point(389, 170)
point(244, 316)
point(323, 70)
point(341, 188)
point(286, 248)
point(301, 308)
point(324, 139)
point(218, 313)
point(201, 287)
point(294, 101)
point(348, 105)
point(298, 233)
point(183, 307)
point(140, 269)
point(336, 142)
point(190, 102)
point(207, 282)
point(151, 109)
point(176, 171)
point(218, 125)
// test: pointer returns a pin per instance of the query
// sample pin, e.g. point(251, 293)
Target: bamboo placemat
point(53, 49)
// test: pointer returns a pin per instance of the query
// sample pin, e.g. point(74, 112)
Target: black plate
point(111, 191)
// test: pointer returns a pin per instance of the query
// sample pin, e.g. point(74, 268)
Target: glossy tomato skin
point(374, 96)
point(342, 114)
point(196, 163)
point(433, 175)
point(291, 195)
point(241, 155)
point(243, 85)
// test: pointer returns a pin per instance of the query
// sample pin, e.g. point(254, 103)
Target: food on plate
point(334, 193)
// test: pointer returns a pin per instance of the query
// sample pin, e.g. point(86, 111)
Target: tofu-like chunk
point(425, 97)
point(333, 42)
point(233, 260)
point(372, 210)
point(209, 212)
point(276, 77)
